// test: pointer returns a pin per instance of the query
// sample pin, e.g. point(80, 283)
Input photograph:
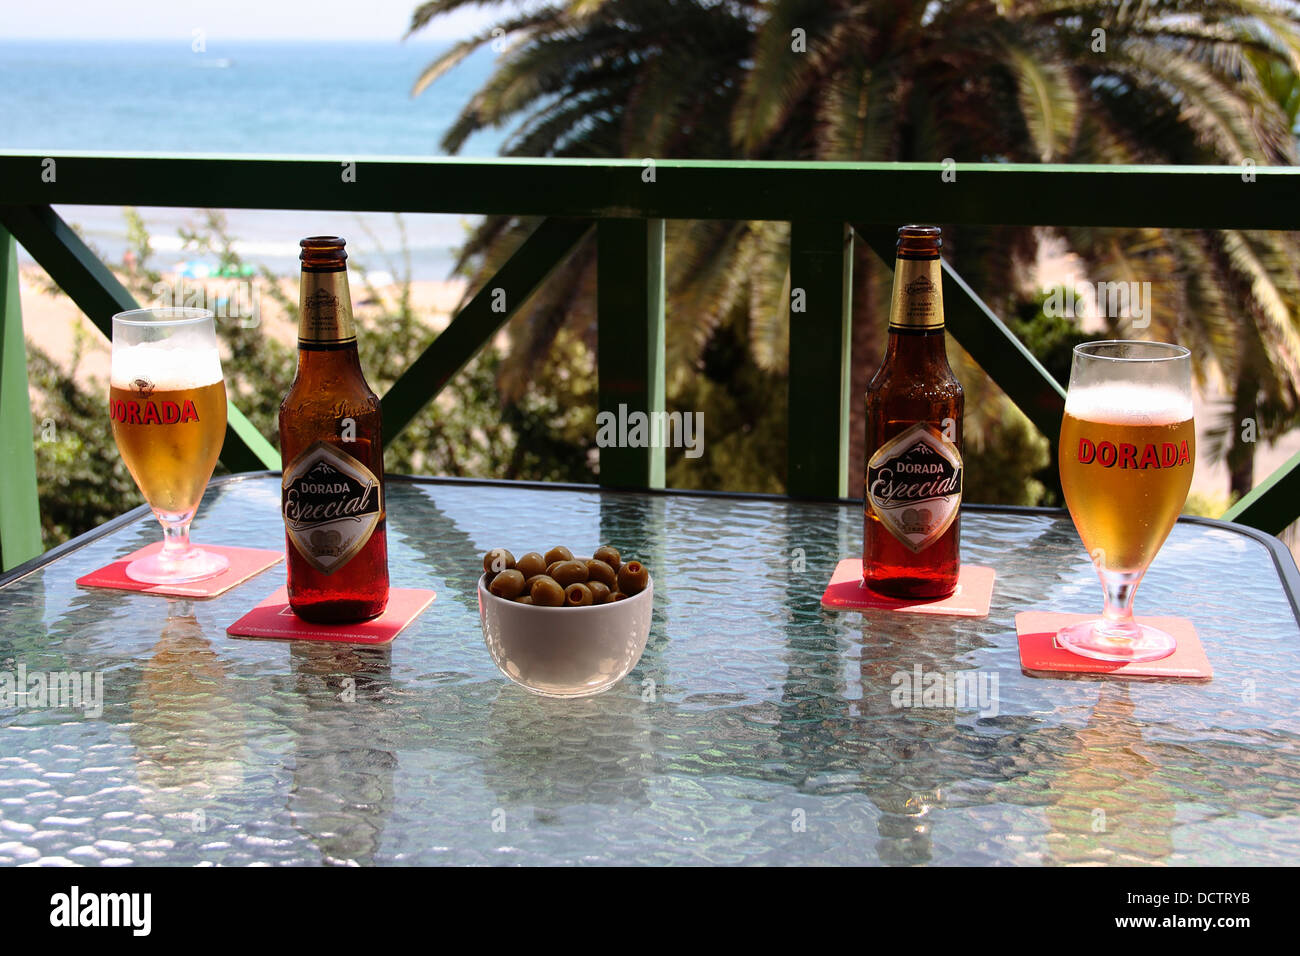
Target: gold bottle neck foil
point(325, 309)
point(917, 300)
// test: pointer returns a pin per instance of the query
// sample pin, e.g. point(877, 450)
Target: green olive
point(577, 595)
point(531, 564)
point(498, 560)
point(609, 556)
point(617, 596)
point(552, 566)
point(599, 592)
point(598, 570)
point(558, 553)
point(632, 578)
point(524, 599)
point(546, 591)
point(507, 584)
point(569, 572)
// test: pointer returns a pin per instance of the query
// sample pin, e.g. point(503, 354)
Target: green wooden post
point(20, 510)
point(821, 311)
point(630, 350)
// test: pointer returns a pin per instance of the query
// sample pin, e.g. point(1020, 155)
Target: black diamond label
point(914, 484)
point(331, 504)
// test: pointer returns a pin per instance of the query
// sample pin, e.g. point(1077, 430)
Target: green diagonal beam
point(1001, 355)
point(547, 246)
point(1271, 505)
point(97, 292)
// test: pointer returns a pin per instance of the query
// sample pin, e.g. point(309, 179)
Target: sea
point(340, 98)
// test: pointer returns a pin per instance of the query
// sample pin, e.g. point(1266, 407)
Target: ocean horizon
point(246, 96)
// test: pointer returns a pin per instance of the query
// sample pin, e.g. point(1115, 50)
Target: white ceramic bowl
point(565, 651)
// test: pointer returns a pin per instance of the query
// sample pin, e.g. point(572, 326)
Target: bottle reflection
point(907, 747)
point(341, 796)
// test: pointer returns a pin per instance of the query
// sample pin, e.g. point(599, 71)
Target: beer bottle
point(332, 492)
point(911, 526)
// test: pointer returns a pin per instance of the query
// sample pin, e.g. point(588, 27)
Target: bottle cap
point(919, 242)
point(322, 252)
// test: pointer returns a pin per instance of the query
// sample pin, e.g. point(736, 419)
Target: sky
point(231, 20)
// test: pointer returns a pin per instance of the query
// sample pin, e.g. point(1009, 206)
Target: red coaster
point(274, 619)
point(1039, 650)
point(244, 563)
point(847, 592)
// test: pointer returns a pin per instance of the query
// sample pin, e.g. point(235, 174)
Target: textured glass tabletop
point(757, 728)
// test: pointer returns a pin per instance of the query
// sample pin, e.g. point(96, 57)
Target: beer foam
point(168, 365)
point(1129, 404)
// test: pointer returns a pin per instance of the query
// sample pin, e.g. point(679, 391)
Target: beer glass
point(1128, 447)
point(167, 402)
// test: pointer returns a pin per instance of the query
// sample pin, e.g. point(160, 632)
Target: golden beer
point(169, 439)
point(1125, 471)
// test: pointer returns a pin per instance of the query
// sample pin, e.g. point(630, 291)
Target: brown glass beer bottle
point(912, 526)
point(332, 492)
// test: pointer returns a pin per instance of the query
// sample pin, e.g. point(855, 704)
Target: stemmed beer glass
point(1127, 451)
point(167, 401)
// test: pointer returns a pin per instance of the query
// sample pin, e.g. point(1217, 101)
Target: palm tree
point(1183, 81)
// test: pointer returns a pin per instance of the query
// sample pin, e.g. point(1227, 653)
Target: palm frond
point(426, 13)
point(703, 262)
point(769, 298)
point(857, 116)
point(1210, 104)
point(781, 76)
point(1049, 102)
point(1263, 267)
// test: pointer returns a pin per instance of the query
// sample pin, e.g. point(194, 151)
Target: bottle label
point(917, 301)
point(914, 484)
point(326, 309)
point(331, 504)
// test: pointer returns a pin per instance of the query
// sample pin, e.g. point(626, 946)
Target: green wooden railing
point(829, 205)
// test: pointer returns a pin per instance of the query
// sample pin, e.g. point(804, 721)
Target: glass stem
point(1120, 588)
point(176, 537)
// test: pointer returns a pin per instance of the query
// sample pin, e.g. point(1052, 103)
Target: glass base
point(1102, 641)
point(194, 565)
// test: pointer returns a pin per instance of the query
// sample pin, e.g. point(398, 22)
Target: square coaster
point(1039, 650)
point(847, 592)
point(274, 619)
point(244, 564)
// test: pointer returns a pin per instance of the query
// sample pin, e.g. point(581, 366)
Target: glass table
point(757, 728)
